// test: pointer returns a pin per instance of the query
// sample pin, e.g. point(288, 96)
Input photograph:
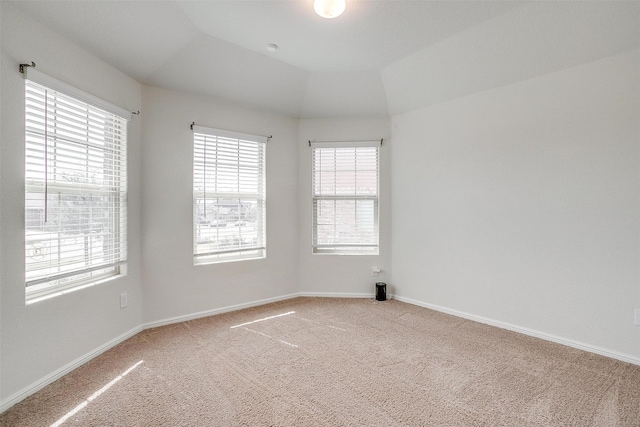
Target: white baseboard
point(526, 331)
point(215, 311)
point(59, 373)
point(335, 295)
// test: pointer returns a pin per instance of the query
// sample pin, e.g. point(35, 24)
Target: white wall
point(520, 204)
point(41, 338)
point(173, 285)
point(341, 274)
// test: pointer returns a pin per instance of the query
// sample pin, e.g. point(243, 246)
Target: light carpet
point(337, 362)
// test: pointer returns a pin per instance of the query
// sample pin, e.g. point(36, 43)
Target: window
point(345, 198)
point(228, 196)
point(75, 189)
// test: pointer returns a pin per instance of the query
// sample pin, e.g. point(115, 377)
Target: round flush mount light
point(329, 8)
point(272, 47)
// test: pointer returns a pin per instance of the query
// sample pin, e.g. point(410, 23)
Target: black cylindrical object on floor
point(381, 291)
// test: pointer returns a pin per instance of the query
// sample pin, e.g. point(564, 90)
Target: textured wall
point(173, 286)
point(347, 274)
point(40, 338)
point(520, 204)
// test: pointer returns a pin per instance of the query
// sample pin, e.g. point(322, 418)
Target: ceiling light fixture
point(329, 8)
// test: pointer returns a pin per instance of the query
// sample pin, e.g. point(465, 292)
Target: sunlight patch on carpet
point(263, 319)
point(78, 408)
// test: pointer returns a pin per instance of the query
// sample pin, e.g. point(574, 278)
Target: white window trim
point(39, 289)
point(344, 248)
point(233, 255)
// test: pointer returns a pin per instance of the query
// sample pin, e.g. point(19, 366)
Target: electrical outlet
point(375, 271)
point(636, 316)
point(123, 300)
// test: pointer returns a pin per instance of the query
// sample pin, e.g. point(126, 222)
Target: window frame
point(345, 248)
point(248, 147)
point(111, 148)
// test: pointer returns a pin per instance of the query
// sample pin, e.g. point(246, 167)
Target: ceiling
point(380, 57)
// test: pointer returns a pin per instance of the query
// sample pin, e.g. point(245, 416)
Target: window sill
point(347, 253)
point(52, 292)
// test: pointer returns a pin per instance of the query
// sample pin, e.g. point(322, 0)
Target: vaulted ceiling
point(380, 57)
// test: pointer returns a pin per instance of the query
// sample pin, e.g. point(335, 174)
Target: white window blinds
point(75, 191)
point(345, 198)
point(228, 196)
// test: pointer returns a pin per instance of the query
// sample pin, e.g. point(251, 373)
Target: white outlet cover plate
point(636, 316)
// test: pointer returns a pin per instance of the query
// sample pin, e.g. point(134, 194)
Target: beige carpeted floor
point(337, 362)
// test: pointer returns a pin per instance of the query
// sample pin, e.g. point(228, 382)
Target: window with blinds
point(228, 196)
point(345, 198)
point(75, 192)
